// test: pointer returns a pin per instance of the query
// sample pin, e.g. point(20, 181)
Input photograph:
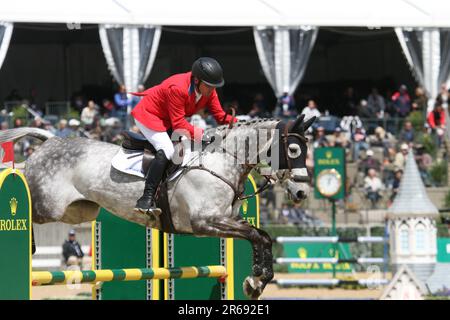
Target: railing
point(393, 125)
point(57, 108)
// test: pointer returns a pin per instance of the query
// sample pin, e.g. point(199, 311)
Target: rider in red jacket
point(165, 106)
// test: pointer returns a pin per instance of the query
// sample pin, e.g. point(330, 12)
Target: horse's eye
point(294, 150)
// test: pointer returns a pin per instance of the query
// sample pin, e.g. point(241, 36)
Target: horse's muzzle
point(301, 195)
point(297, 191)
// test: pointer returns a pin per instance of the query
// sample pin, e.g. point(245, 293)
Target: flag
point(7, 152)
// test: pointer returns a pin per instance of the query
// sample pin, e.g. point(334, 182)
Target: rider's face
point(205, 90)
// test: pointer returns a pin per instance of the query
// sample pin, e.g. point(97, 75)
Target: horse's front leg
point(232, 227)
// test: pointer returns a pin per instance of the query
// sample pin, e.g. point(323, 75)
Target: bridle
point(239, 195)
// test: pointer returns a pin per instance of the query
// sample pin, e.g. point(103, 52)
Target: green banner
point(15, 236)
point(243, 253)
point(317, 250)
point(443, 249)
point(329, 158)
point(123, 245)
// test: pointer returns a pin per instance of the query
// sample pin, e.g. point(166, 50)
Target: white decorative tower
point(412, 226)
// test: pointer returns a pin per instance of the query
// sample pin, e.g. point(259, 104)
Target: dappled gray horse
point(71, 179)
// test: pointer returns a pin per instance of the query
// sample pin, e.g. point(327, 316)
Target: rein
point(239, 195)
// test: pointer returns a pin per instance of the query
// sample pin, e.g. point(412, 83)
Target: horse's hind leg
point(226, 227)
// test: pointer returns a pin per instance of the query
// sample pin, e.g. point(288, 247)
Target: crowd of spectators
point(378, 148)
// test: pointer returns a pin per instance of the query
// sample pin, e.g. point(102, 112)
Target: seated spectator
point(72, 252)
point(88, 115)
point(369, 163)
point(381, 139)
point(338, 139)
point(49, 127)
point(402, 101)
point(107, 108)
point(74, 125)
point(373, 187)
point(389, 167)
point(424, 162)
point(359, 142)
point(400, 157)
point(407, 133)
point(18, 123)
point(63, 131)
point(38, 123)
point(395, 185)
point(420, 103)
point(363, 111)
point(320, 139)
point(97, 130)
point(311, 110)
point(113, 128)
point(436, 121)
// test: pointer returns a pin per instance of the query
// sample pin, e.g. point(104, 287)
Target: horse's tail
point(17, 133)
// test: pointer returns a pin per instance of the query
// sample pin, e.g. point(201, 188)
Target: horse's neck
point(260, 135)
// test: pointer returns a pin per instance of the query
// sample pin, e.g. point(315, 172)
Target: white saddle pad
point(128, 162)
point(131, 162)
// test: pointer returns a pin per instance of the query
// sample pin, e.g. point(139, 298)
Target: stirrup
point(155, 212)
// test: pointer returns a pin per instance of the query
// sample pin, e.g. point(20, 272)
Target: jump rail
point(329, 282)
point(330, 239)
point(92, 276)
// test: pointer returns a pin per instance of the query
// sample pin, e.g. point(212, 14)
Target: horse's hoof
point(252, 287)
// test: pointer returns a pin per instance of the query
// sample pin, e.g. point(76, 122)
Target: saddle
point(137, 142)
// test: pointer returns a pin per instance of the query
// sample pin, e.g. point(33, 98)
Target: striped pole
point(92, 276)
point(330, 239)
point(328, 282)
point(329, 260)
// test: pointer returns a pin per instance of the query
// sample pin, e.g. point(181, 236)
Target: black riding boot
point(147, 204)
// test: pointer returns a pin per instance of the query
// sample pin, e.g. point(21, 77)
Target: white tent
point(283, 16)
point(381, 13)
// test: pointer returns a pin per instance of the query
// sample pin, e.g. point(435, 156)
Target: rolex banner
point(329, 158)
point(15, 236)
point(317, 250)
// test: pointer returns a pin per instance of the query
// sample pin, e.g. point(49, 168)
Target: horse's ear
point(308, 123)
point(298, 122)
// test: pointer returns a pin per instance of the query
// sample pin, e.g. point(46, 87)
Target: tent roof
point(381, 13)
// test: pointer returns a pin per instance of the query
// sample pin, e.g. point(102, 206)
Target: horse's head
point(292, 151)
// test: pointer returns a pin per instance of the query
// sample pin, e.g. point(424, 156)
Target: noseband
point(239, 195)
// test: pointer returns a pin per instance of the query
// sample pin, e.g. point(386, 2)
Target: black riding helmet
point(209, 71)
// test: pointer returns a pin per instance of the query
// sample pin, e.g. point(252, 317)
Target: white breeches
point(159, 139)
